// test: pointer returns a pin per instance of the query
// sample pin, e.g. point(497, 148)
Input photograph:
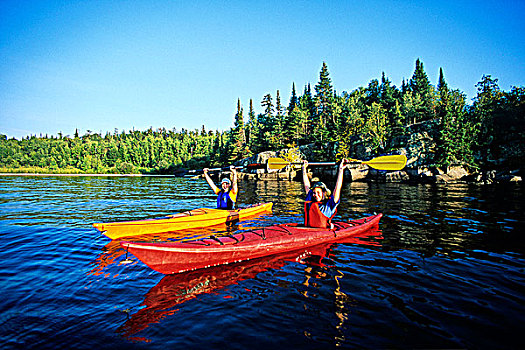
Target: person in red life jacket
point(319, 206)
point(227, 193)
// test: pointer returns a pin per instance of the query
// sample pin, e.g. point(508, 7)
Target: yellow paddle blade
point(277, 163)
point(392, 162)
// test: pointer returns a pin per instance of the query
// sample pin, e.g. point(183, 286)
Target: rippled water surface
point(446, 269)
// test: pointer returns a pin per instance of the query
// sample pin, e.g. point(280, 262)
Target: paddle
point(249, 166)
point(391, 162)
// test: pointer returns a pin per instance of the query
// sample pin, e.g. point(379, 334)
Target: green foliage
point(376, 127)
point(294, 100)
point(423, 92)
point(455, 142)
point(499, 118)
point(239, 145)
point(477, 135)
point(133, 152)
point(351, 121)
point(324, 118)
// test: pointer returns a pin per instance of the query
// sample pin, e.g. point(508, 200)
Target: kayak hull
point(176, 257)
point(197, 218)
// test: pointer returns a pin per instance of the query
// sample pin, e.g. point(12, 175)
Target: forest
point(477, 134)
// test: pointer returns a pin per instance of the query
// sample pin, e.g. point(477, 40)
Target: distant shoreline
point(96, 175)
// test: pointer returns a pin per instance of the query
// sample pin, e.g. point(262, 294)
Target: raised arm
point(235, 188)
point(306, 180)
point(210, 181)
point(339, 182)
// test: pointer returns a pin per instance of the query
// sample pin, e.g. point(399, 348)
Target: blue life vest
point(224, 201)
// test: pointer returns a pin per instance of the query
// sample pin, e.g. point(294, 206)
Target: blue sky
point(101, 65)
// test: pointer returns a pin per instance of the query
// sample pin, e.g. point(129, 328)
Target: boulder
point(397, 176)
point(359, 172)
point(453, 174)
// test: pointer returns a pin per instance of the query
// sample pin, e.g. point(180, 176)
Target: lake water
point(446, 269)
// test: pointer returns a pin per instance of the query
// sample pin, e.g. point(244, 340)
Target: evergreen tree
point(324, 122)
point(252, 130)
point(387, 93)
point(267, 122)
point(372, 93)
point(267, 104)
point(454, 145)
point(294, 101)
point(307, 104)
point(294, 129)
point(277, 129)
point(404, 87)
point(482, 116)
point(444, 98)
point(215, 157)
point(420, 87)
point(483, 134)
point(389, 97)
point(376, 127)
point(278, 105)
point(350, 123)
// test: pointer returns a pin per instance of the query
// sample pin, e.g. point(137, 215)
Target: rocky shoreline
point(359, 172)
point(419, 146)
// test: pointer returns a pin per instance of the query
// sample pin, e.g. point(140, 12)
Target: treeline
point(150, 151)
point(476, 134)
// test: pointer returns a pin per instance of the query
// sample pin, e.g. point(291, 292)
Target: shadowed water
point(446, 269)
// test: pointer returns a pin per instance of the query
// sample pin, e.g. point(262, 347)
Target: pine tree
point(267, 122)
point(404, 87)
point(293, 100)
point(294, 127)
point(307, 104)
point(484, 108)
point(277, 130)
point(454, 144)
point(239, 149)
point(350, 123)
point(376, 127)
point(444, 98)
point(216, 149)
point(278, 106)
point(372, 92)
point(387, 93)
point(420, 86)
point(323, 120)
point(252, 130)
point(389, 98)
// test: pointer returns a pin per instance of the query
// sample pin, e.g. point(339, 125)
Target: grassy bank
point(72, 171)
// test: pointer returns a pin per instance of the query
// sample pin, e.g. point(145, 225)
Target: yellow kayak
point(202, 217)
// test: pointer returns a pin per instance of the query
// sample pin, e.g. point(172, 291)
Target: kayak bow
point(176, 257)
point(196, 218)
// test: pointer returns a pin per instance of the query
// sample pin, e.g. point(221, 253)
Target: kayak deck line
point(196, 218)
point(176, 257)
point(200, 246)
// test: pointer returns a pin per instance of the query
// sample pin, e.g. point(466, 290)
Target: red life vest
point(313, 217)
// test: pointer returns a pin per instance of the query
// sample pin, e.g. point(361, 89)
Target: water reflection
point(163, 299)
point(449, 272)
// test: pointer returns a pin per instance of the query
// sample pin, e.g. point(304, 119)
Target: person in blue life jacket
point(227, 193)
point(320, 204)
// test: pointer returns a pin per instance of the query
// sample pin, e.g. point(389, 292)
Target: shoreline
point(85, 175)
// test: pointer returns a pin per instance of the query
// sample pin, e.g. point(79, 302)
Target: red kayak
point(176, 257)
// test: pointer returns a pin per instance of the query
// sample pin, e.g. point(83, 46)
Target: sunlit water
point(445, 270)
